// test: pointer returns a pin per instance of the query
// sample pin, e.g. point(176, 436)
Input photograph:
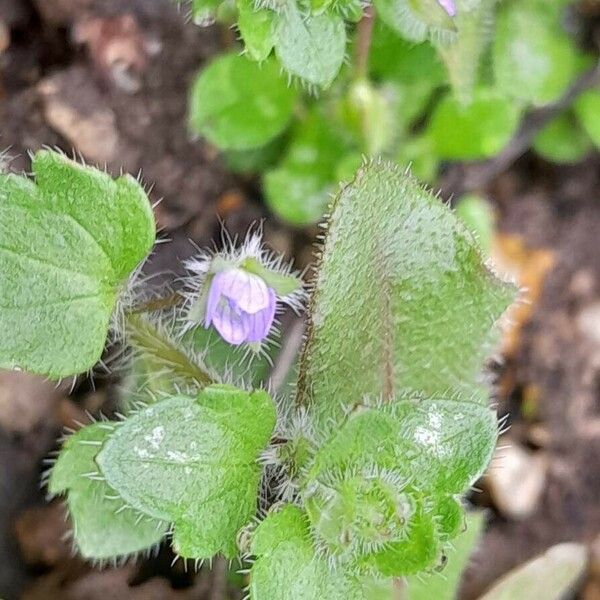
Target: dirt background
point(109, 79)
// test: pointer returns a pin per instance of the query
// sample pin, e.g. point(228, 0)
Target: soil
point(110, 78)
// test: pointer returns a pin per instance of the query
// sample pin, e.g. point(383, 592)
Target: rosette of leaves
point(399, 420)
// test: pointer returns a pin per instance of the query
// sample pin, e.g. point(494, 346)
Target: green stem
point(159, 348)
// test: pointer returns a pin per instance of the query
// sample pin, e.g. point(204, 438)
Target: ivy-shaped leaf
point(298, 189)
point(238, 104)
point(534, 59)
point(474, 131)
point(562, 140)
point(287, 565)
point(67, 243)
point(402, 300)
point(193, 462)
point(103, 527)
point(311, 47)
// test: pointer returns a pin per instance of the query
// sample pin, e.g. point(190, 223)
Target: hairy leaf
point(193, 461)
point(384, 485)
point(239, 104)
point(402, 300)
point(103, 527)
point(256, 28)
point(310, 47)
point(417, 20)
point(462, 58)
point(287, 565)
point(67, 243)
point(444, 585)
point(475, 131)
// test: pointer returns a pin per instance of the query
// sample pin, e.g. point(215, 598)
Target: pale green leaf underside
point(238, 104)
point(67, 241)
point(402, 299)
point(193, 461)
point(310, 47)
point(287, 565)
point(102, 528)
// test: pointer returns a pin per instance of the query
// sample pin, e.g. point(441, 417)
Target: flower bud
point(237, 291)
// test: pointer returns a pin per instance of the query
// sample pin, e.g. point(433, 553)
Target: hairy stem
point(156, 345)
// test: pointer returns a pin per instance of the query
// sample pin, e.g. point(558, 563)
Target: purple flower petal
point(230, 322)
point(240, 306)
point(247, 290)
point(449, 6)
point(260, 322)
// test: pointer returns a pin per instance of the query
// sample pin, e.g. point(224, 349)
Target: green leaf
point(287, 565)
point(476, 131)
point(311, 47)
point(103, 528)
point(534, 59)
point(417, 153)
point(401, 302)
point(463, 57)
point(255, 160)
point(67, 243)
point(193, 461)
point(384, 485)
point(440, 445)
point(444, 585)
point(369, 112)
point(238, 104)
point(256, 28)
point(587, 109)
point(417, 20)
point(299, 189)
point(551, 575)
point(562, 140)
point(284, 285)
point(224, 358)
point(394, 58)
point(478, 216)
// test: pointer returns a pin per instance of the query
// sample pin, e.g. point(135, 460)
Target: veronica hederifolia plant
point(355, 481)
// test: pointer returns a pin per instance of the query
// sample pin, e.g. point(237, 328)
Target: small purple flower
point(241, 306)
point(449, 6)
